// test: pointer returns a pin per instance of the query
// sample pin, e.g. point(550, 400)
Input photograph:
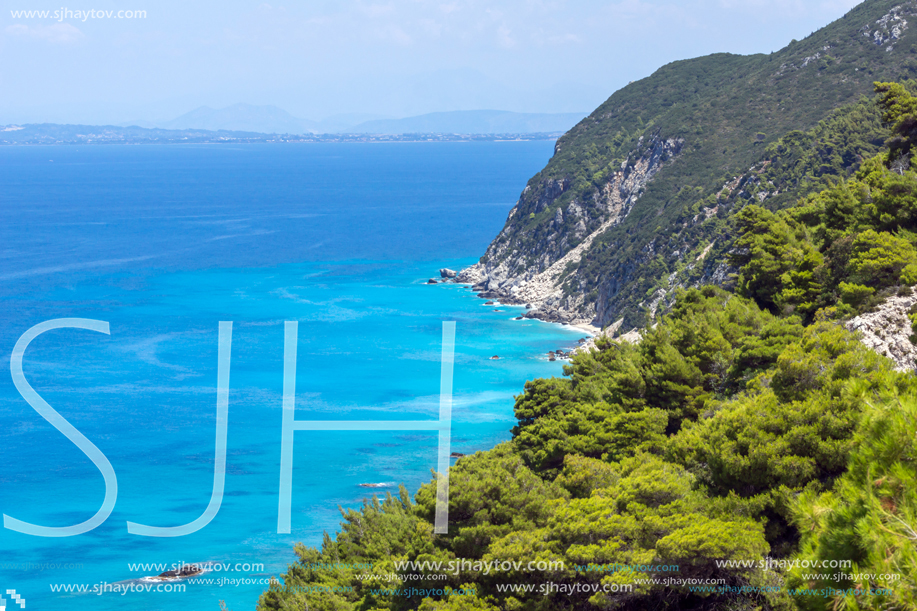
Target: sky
point(319, 58)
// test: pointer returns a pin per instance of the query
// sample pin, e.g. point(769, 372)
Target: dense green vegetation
point(743, 426)
point(840, 250)
point(869, 516)
point(710, 440)
point(774, 113)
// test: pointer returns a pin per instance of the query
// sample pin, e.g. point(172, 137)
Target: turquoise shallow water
point(165, 242)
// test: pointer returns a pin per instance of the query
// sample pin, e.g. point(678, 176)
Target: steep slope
point(637, 197)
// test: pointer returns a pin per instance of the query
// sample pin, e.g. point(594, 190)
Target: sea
point(165, 242)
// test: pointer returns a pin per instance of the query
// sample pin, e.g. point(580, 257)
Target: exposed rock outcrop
point(887, 331)
point(638, 198)
point(587, 344)
point(508, 272)
point(183, 572)
point(888, 29)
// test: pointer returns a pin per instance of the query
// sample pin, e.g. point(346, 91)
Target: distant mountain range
point(274, 120)
point(473, 122)
point(257, 119)
point(52, 133)
point(238, 117)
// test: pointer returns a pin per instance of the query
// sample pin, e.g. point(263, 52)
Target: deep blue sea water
point(164, 242)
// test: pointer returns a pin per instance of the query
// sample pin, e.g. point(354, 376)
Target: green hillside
point(749, 453)
point(732, 113)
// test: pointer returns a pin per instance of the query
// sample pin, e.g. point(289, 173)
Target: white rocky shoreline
point(449, 276)
point(885, 330)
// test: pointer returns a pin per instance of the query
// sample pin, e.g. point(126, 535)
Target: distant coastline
point(44, 134)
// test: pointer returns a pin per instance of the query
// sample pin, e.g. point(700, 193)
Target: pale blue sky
point(398, 58)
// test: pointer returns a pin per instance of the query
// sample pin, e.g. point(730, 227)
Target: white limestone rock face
point(889, 28)
point(887, 331)
point(518, 274)
point(472, 275)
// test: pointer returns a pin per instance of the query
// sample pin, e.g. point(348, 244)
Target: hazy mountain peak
point(241, 117)
point(473, 122)
point(268, 119)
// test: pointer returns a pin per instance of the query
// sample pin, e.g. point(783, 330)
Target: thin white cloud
point(505, 37)
point(377, 10)
point(59, 33)
point(431, 27)
point(396, 34)
point(563, 39)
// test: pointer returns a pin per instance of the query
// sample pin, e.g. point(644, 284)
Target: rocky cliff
point(638, 197)
point(517, 274)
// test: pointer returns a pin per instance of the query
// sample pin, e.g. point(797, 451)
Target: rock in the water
point(447, 273)
point(494, 357)
point(187, 570)
point(456, 455)
point(519, 318)
point(488, 303)
point(432, 281)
